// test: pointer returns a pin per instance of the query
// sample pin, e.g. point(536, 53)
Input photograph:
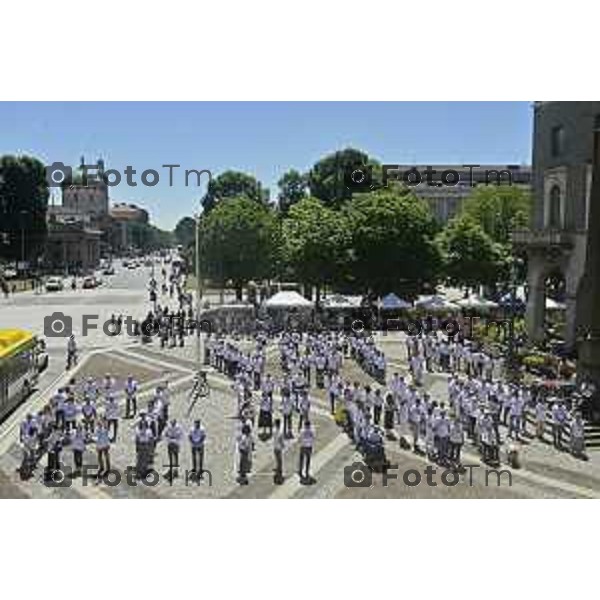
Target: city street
point(546, 473)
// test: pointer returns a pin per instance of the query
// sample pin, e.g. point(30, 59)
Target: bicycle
point(200, 390)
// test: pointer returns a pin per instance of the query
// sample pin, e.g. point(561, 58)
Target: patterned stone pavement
point(546, 473)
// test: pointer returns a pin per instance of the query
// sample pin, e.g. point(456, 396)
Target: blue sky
point(262, 138)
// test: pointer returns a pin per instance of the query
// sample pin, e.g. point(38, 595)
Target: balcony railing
point(543, 237)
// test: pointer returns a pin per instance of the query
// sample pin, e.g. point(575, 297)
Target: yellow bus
point(19, 369)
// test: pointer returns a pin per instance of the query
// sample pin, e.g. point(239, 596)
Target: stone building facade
point(445, 201)
point(562, 168)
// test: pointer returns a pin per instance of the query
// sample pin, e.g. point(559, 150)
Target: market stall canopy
point(339, 301)
point(554, 305)
point(436, 303)
point(393, 302)
point(477, 302)
point(289, 299)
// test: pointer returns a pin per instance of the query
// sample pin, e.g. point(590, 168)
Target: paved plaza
point(545, 473)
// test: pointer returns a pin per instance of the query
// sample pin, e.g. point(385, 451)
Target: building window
point(557, 140)
point(554, 214)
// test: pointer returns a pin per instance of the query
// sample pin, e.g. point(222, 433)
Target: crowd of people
point(87, 414)
point(479, 406)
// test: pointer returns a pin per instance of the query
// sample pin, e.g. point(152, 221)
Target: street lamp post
point(512, 366)
point(199, 340)
point(23, 213)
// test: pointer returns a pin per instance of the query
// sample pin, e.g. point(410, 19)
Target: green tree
point(147, 237)
point(234, 184)
point(185, 231)
point(499, 210)
point(238, 242)
point(292, 189)
point(470, 257)
point(392, 242)
point(315, 243)
point(23, 206)
point(326, 180)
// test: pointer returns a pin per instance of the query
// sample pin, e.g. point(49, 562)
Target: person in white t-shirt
point(103, 448)
point(173, 435)
point(307, 441)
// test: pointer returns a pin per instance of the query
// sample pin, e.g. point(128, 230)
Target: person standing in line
point(131, 387)
point(173, 435)
point(307, 441)
point(456, 439)
point(244, 447)
point(78, 446)
point(377, 406)
point(287, 407)
point(197, 439)
point(578, 437)
point(278, 450)
point(540, 418)
point(103, 448)
point(559, 417)
point(111, 413)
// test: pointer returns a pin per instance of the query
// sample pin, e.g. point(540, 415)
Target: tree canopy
point(499, 210)
point(326, 180)
point(185, 231)
point(315, 242)
point(392, 238)
point(470, 256)
point(23, 206)
point(292, 189)
point(238, 242)
point(234, 184)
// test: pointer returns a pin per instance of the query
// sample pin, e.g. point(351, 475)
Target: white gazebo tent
point(288, 299)
point(477, 303)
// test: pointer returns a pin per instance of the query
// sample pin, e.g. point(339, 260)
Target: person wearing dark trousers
point(278, 449)
point(173, 435)
point(197, 439)
point(78, 447)
point(287, 406)
point(54, 450)
point(103, 448)
point(112, 417)
point(244, 454)
point(131, 397)
point(307, 441)
point(377, 406)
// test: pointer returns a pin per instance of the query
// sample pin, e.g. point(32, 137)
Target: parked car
point(54, 284)
point(109, 270)
point(89, 283)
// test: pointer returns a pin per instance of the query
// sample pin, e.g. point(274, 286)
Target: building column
point(536, 302)
point(571, 286)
